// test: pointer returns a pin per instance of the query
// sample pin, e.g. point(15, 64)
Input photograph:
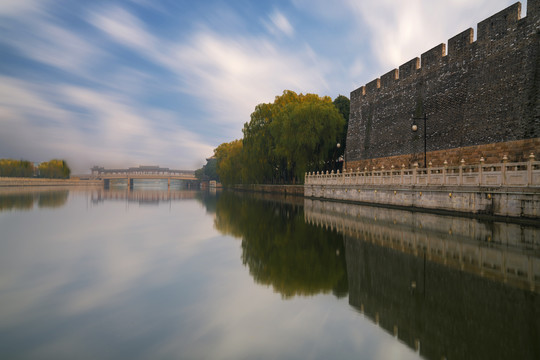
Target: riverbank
point(297, 190)
point(23, 182)
point(500, 201)
point(517, 203)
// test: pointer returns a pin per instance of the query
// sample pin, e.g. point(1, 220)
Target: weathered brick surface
point(515, 151)
point(481, 99)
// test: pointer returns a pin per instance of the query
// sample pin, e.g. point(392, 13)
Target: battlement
point(500, 24)
point(494, 28)
point(460, 43)
point(470, 93)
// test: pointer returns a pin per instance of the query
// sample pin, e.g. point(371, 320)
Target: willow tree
point(229, 162)
point(259, 161)
point(290, 136)
point(305, 130)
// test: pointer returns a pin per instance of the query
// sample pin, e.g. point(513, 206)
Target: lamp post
point(415, 128)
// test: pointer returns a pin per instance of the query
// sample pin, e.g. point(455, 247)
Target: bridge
point(141, 173)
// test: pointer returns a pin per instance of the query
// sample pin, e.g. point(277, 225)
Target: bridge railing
point(520, 174)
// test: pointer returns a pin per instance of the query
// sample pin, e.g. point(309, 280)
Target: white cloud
point(123, 27)
point(229, 74)
point(234, 75)
point(281, 23)
point(399, 31)
point(18, 7)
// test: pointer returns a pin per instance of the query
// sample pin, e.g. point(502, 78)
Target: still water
point(180, 274)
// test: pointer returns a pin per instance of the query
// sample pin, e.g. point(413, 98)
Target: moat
point(157, 273)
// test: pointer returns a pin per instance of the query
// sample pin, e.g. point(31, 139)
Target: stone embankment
point(502, 189)
point(274, 189)
point(13, 182)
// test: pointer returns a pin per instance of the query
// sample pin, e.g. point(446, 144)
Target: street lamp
point(336, 166)
point(415, 128)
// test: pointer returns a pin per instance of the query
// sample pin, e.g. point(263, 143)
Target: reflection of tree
point(280, 249)
point(53, 199)
point(208, 199)
point(25, 200)
point(16, 201)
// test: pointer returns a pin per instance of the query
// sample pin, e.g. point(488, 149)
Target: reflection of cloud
point(155, 283)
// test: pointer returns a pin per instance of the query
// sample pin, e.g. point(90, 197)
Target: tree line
point(283, 140)
point(53, 169)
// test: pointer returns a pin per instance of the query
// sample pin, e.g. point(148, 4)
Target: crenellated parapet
point(473, 92)
point(491, 29)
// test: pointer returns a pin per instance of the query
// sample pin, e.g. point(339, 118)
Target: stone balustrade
point(499, 174)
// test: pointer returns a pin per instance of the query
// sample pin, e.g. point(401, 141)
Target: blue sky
point(164, 82)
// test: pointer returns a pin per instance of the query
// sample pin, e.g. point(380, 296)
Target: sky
point(164, 82)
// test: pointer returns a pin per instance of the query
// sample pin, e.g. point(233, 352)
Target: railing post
point(428, 180)
point(503, 170)
point(373, 175)
point(364, 180)
point(480, 170)
point(402, 172)
point(415, 168)
point(461, 163)
point(530, 170)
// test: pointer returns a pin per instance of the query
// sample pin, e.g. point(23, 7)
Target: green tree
point(290, 136)
point(260, 162)
point(229, 162)
point(305, 129)
point(54, 169)
point(16, 168)
point(208, 171)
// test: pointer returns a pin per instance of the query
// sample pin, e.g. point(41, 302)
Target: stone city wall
point(480, 98)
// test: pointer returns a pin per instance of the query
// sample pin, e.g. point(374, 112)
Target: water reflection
point(448, 287)
point(98, 279)
point(25, 199)
point(281, 249)
point(142, 196)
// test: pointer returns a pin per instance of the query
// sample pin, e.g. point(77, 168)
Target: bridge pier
point(168, 183)
point(106, 183)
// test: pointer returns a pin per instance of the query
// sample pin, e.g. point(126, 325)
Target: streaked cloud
point(281, 24)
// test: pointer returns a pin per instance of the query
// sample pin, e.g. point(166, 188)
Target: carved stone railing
point(499, 174)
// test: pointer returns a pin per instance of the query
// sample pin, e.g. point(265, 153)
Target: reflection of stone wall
point(429, 279)
point(445, 312)
point(507, 252)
